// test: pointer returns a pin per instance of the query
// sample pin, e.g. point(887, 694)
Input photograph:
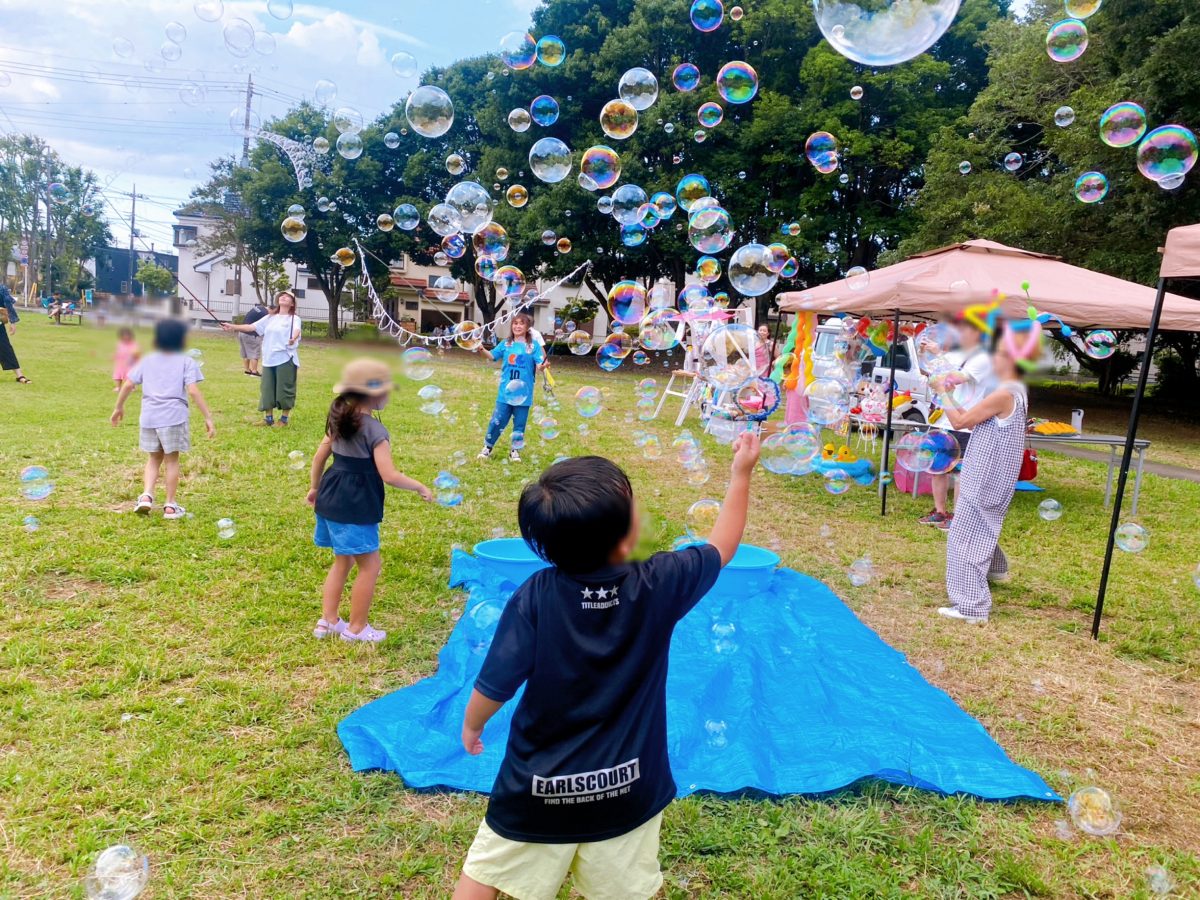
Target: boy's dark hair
point(170, 335)
point(576, 514)
point(344, 419)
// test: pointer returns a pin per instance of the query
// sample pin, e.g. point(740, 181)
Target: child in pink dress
point(125, 357)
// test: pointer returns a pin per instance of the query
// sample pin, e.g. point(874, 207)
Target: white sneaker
point(485, 453)
point(951, 613)
point(514, 456)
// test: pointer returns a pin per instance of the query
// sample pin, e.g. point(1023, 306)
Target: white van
point(878, 370)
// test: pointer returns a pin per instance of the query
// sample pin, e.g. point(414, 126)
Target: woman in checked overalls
point(985, 489)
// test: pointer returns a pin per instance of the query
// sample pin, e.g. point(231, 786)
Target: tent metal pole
point(1127, 455)
point(887, 434)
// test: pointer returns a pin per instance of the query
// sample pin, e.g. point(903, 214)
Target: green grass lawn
point(159, 686)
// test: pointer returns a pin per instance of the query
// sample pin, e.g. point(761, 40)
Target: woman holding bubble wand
point(280, 332)
point(522, 359)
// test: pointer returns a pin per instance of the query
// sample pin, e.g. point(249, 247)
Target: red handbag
point(1028, 465)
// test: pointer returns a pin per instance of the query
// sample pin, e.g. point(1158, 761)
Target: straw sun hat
point(365, 376)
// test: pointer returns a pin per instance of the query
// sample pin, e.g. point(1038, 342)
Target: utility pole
point(246, 120)
point(132, 234)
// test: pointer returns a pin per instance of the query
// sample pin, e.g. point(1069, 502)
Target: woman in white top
point(280, 332)
point(985, 489)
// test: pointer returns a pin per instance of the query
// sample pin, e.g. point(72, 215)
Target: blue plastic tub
point(749, 572)
point(510, 558)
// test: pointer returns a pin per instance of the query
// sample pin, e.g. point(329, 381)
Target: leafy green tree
point(155, 278)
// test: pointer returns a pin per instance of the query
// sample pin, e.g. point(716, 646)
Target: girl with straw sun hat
point(348, 496)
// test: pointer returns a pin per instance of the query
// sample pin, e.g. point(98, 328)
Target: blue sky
point(132, 115)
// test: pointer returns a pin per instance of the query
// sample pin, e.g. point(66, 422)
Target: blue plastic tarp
point(783, 691)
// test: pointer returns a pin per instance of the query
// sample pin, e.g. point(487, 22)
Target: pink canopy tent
point(944, 282)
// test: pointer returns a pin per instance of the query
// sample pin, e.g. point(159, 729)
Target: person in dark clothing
point(586, 777)
point(8, 326)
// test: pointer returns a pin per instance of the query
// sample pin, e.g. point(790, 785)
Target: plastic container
point(510, 558)
point(749, 572)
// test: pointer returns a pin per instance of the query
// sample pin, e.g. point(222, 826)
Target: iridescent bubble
point(706, 15)
point(736, 14)
point(1064, 116)
point(391, 140)
point(550, 160)
point(710, 230)
point(588, 402)
point(856, 92)
point(321, 145)
point(293, 229)
point(627, 202)
point(1094, 811)
point(35, 483)
point(518, 50)
point(708, 269)
point(1100, 344)
point(429, 111)
point(1066, 40)
point(964, 167)
point(404, 64)
point(544, 110)
point(1050, 510)
point(665, 203)
point(416, 364)
point(737, 82)
point(519, 120)
point(1091, 187)
point(454, 246)
point(455, 164)
point(602, 165)
point(691, 188)
point(699, 136)
point(710, 114)
point(821, 150)
point(325, 92)
point(31, 524)
point(633, 234)
point(406, 216)
point(639, 88)
point(1132, 538)
point(492, 242)
point(485, 267)
point(727, 358)
point(517, 196)
point(883, 33)
point(1166, 152)
point(443, 219)
point(579, 342)
point(837, 481)
point(627, 302)
point(58, 193)
point(686, 77)
point(551, 51)
point(618, 119)
point(1013, 161)
point(509, 281)
point(694, 298)
point(657, 330)
point(563, 245)
point(349, 146)
point(549, 237)
point(1122, 124)
point(473, 204)
point(750, 272)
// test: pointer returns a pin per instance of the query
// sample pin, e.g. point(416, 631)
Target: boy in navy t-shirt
point(586, 777)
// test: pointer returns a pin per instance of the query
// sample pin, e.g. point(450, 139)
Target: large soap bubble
point(737, 82)
point(883, 32)
point(627, 202)
point(518, 50)
point(727, 357)
point(1066, 40)
point(519, 120)
point(551, 51)
point(550, 160)
point(706, 15)
point(349, 146)
point(601, 165)
point(618, 119)
point(658, 330)
point(1123, 124)
point(690, 189)
point(750, 270)
point(543, 109)
point(473, 204)
point(406, 216)
point(1091, 187)
point(710, 230)
point(627, 302)
point(686, 77)
point(119, 873)
point(444, 219)
point(821, 149)
point(429, 111)
point(1166, 152)
point(639, 88)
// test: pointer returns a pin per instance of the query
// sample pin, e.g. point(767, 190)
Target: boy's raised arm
point(727, 533)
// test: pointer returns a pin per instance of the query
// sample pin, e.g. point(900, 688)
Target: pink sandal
point(325, 629)
point(368, 634)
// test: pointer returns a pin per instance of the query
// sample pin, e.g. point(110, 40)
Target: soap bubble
point(1122, 124)
point(454, 246)
point(856, 92)
point(518, 50)
point(551, 51)
point(1132, 537)
point(492, 242)
point(1094, 812)
point(618, 119)
point(837, 482)
point(939, 452)
point(404, 64)
point(429, 111)
point(550, 160)
point(727, 358)
point(444, 289)
point(686, 77)
point(750, 272)
point(119, 872)
point(639, 88)
point(690, 189)
point(1050, 510)
point(627, 302)
point(455, 164)
point(627, 203)
point(406, 216)
point(964, 168)
point(519, 120)
point(1066, 40)
point(861, 571)
point(706, 15)
point(239, 37)
point(723, 633)
point(633, 234)
point(1012, 161)
point(710, 114)
point(1167, 151)
point(657, 330)
point(1082, 9)
point(170, 51)
point(517, 196)
point(1091, 187)
point(1100, 344)
point(293, 229)
point(208, 10)
point(517, 393)
point(31, 524)
point(821, 149)
point(324, 92)
point(602, 165)
point(708, 269)
point(1158, 879)
point(701, 518)
point(444, 219)
point(349, 146)
point(580, 342)
point(297, 460)
point(857, 278)
point(264, 43)
point(1064, 116)
point(468, 335)
point(710, 230)
point(544, 110)
point(563, 245)
point(588, 402)
point(36, 483)
point(828, 401)
point(715, 728)
point(321, 145)
point(343, 256)
point(908, 453)
point(391, 140)
point(509, 281)
point(883, 34)
point(416, 364)
point(226, 529)
point(737, 82)
point(123, 47)
point(473, 204)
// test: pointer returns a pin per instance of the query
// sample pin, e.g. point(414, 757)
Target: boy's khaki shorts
point(621, 868)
